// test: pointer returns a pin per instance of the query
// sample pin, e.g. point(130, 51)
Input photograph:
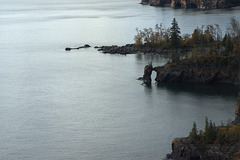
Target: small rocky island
point(202, 4)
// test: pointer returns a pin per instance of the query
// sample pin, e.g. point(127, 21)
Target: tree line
point(211, 133)
point(204, 40)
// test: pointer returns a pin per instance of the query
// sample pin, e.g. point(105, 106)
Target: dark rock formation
point(114, 49)
point(132, 49)
point(85, 46)
point(156, 2)
point(202, 70)
point(237, 112)
point(188, 149)
point(145, 2)
point(202, 4)
point(147, 74)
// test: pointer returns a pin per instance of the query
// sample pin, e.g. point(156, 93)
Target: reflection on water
point(222, 90)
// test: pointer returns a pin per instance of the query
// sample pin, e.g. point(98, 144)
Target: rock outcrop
point(157, 2)
point(237, 112)
point(114, 49)
point(202, 4)
point(133, 48)
point(147, 74)
point(188, 149)
point(205, 69)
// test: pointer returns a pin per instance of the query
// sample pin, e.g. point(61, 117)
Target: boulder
point(86, 46)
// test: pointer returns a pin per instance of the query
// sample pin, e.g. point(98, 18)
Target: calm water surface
point(58, 105)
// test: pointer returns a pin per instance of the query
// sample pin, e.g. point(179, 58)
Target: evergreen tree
point(193, 134)
point(206, 134)
point(211, 134)
point(228, 45)
point(210, 131)
point(175, 33)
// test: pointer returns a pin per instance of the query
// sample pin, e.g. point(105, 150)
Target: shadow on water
point(225, 90)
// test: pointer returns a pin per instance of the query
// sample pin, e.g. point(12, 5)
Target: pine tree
point(210, 131)
point(193, 134)
point(175, 33)
point(206, 134)
point(228, 45)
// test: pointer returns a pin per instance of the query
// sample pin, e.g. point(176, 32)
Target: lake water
point(57, 105)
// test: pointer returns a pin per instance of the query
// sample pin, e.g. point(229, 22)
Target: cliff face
point(203, 70)
point(237, 112)
point(188, 149)
point(202, 4)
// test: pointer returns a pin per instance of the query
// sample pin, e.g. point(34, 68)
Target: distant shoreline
point(201, 4)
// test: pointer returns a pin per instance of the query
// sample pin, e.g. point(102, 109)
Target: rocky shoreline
point(133, 49)
point(188, 149)
point(204, 69)
point(201, 4)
